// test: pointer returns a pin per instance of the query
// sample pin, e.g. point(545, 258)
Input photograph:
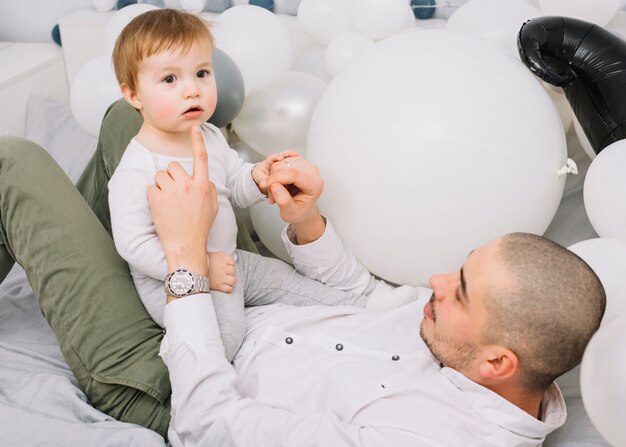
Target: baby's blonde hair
point(151, 33)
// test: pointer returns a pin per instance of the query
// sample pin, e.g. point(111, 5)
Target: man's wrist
point(197, 263)
point(311, 229)
point(195, 260)
point(183, 282)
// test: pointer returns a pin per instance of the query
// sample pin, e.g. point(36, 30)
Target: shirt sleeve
point(326, 260)
point(208, 410)
point(244, 192)
point(133, 229)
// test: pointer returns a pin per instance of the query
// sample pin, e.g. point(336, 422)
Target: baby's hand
point(221, 272)
point(261, 170)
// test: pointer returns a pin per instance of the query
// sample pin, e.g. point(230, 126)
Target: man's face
point(455, 316)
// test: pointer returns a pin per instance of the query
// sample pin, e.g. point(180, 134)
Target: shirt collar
point(495, 408)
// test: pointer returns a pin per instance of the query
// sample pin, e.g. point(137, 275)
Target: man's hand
point(221, 272)
point(295, 185)
point(262, 170)
point(183, 209)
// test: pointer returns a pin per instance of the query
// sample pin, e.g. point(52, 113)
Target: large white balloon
point(597, 11)
point(93, 90)
point(378, 19)
point(256, 40)
point(313, 62)
point(325, 19)
point(118, 22)
point(605, 192)
point(276, 115)
point(497, 21)
point(607, 257)
point(423, 164)
point(603, 381)
point(343, 49)
point(268, 226)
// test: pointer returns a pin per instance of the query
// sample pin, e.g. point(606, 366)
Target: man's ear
point(499, 363)
point(130, 96)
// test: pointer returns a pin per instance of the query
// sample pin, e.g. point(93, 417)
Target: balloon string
point(570, 168)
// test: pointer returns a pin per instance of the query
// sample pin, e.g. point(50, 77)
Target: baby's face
point(177, 90)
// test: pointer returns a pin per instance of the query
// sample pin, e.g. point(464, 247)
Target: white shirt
point(134, 233)
point(331, 376)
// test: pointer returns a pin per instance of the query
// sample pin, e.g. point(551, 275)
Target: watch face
point(180, 283)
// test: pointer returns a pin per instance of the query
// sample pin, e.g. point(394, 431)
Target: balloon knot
point(570, 168)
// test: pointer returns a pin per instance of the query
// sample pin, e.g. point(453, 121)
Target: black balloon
point(589, 63)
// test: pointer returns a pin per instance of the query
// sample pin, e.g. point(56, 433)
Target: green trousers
point(84, 288)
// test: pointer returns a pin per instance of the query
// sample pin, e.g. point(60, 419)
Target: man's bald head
point(547, 315)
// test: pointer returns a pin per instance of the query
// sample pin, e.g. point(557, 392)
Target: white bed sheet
point(42, 404)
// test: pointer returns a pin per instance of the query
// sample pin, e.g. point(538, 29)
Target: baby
point(162, 61)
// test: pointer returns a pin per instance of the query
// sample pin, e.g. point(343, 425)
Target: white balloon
point(378, 19)
point(256, 40)
point(602, 381)
point(246, 153)
point(582, 138)
point(607, 257)
point(313, 62)
point(445, 9)
point(268, 226)
point(118, 22)
point(93, 90)
point(325, 19)
point(343, 49)
point(276, 115)
point(605, 192)
point(411, 20)
point(618, 24)
point(598, 11)
point(497, 21)
point(433, 24)
point(422, 165)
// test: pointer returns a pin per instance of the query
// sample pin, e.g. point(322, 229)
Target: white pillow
point(50, 124)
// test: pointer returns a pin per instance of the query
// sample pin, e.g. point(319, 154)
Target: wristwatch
point(182, 283)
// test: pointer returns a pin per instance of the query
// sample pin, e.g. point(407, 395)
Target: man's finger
point(200, 158)
point(284, 177)
point(289, 154)
point(162, 179)
point(176, 171)
point(281, 196)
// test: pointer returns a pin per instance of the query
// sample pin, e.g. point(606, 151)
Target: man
point(494, 336)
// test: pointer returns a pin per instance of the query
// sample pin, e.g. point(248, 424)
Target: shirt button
point(339, 347)
point(395, 358)
point(289, 340)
